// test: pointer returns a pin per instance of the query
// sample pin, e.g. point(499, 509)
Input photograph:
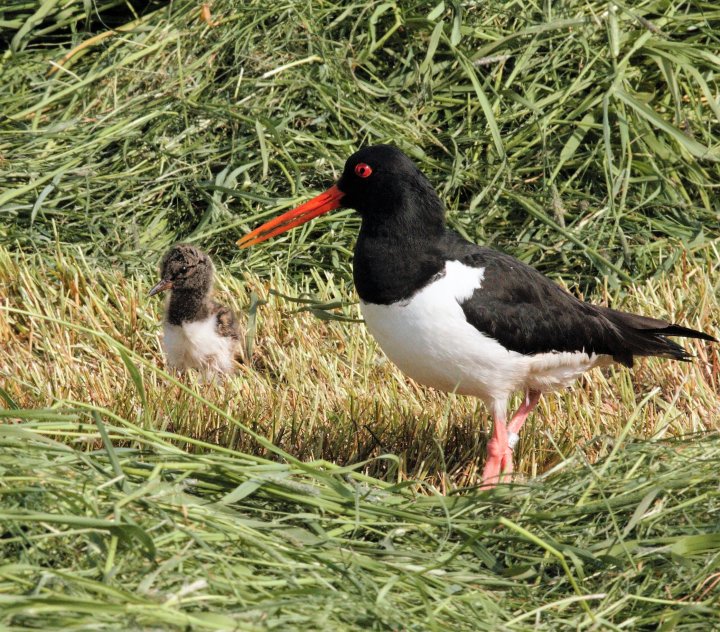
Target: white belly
point(430, 340)
point(197, 345)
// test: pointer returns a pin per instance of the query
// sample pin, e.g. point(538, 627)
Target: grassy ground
point(321, 389)
point(319, 488)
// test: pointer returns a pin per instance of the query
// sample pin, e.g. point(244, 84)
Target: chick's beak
point(161, 286)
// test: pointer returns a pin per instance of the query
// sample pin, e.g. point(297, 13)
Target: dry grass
point(322, 390)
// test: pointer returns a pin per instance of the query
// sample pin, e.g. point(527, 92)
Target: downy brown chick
point(198, 332)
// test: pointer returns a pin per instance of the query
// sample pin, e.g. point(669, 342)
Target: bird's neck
point(188, 306)
point(397, 257)
point(411, 213)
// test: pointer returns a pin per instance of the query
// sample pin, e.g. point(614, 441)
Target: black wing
point(528, 313)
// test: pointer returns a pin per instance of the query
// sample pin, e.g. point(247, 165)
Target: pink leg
point(517, 421)
point(496, 447)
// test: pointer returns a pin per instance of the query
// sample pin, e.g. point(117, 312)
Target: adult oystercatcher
point(465, 318)
point(198, 332)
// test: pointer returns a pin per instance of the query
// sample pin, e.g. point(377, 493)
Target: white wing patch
point(462, 280)
point(197, 345)
point(431, 341)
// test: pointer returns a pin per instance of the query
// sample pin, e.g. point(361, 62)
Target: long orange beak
point(323, 203)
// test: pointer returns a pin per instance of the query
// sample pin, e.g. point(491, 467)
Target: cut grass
point(129, 499)
point(582, 138)
point(115, 525)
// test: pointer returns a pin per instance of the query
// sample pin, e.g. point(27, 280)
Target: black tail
point(644, 336)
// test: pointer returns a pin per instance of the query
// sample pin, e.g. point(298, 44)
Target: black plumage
point(528, 313)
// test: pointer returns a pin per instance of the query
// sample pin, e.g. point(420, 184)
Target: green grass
point(147, 536)
point(319, 488)
point(588, 144)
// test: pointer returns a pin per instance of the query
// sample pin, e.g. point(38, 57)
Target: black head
point(380, 181)
point(185, 268)
point(383, 185)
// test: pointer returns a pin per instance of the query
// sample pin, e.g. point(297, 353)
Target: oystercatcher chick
point(465, 318)
point(198, 332)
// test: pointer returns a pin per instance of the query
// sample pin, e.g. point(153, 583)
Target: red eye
point(362, 170)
